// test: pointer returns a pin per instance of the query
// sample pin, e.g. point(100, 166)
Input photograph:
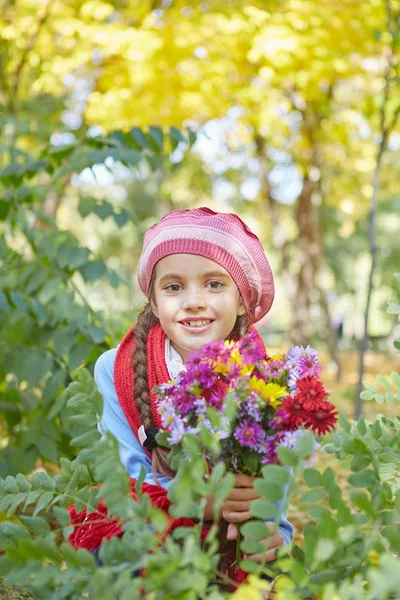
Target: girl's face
point(196, 301)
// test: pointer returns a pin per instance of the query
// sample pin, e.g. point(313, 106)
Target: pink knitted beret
point(221, 237)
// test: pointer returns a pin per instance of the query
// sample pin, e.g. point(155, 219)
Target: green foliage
point(29, 542)
point(48, 329)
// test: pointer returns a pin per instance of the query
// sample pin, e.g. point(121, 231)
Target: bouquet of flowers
point(251, 402)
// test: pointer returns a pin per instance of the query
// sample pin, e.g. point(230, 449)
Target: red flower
point(291, 412)
point(322, 419)
point(311, 391)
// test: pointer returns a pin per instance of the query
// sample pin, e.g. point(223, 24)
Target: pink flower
point(249, 434)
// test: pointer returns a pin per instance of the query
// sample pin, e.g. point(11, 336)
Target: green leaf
point(97, 333)
point(4, 306)
point(42, 480)
point(276, 473)
point(175, 137)
point(361, 426)
point(376, 430)
point(256, 530)
point(103, 210)
point(393, 309)
point(58, 405)
point(287, 456)
point(49, 550)
point(86, 206)
point(324, 550)
point(392, 533)
point(359, 462)
point(19, 303)
point(305, 445)
point(249, 566)
point(86, 439)
point(36, 524)
point(121, 218)
point(313, 495)
point(47, 447)
point(384, 382)
point(62, 516)
point(251, 546)
point(93, 270)
point(262, 509)
point(343, 422)
point(312, 477)
point(365, 478)
point(43, 502)
point(49, 290)
point(395, 378)
point(138, 137)
point(156, 138)
point(268, 489)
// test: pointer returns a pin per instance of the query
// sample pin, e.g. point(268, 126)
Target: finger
point(268, 556)
point(237, 517)
point(244, 480)
point(275, 541)
point(243, 493)
point(232, 532)
point(237, 505)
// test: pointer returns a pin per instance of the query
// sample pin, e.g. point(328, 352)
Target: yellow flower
point(270, 392)
point(252, 589)
point(277, 356)
point(221, 367)
point(246, 370)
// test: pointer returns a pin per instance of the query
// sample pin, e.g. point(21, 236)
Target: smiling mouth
point(199, 323)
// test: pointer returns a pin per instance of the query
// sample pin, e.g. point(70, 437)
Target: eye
point(215, 285)
point(173, 287)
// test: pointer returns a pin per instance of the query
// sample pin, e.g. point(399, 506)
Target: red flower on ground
point(322, 419)
point(311, 391)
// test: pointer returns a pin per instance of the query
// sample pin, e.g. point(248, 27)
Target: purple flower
point(274, 369)
point(200, 406)
point(213, 350)
point(221, 434)
point(249, 434)
point(296, 353)
point(251, 349)
point(177, 431)
point(249, 408)
point(184, 401)
point(270, 455)
point(168, 414)
point(308, 367)
point(290, 438)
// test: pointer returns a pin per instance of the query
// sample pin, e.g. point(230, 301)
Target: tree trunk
point(300, 332)
point(272, 207)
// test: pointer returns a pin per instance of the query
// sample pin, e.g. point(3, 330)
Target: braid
point(146, 320)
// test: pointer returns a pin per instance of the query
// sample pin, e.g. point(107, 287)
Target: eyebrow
point(206, 274)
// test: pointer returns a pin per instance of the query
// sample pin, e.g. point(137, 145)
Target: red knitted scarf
point(123, 375)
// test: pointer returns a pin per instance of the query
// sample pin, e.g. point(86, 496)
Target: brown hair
point(146, 320)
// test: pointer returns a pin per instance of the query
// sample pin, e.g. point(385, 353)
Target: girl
point(206, 278)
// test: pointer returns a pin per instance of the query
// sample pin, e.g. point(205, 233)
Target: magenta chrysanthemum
point(249, 434)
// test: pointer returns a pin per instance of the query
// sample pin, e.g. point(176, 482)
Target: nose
point(194, 299)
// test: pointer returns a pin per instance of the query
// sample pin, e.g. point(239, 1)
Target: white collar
point(173, 360)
